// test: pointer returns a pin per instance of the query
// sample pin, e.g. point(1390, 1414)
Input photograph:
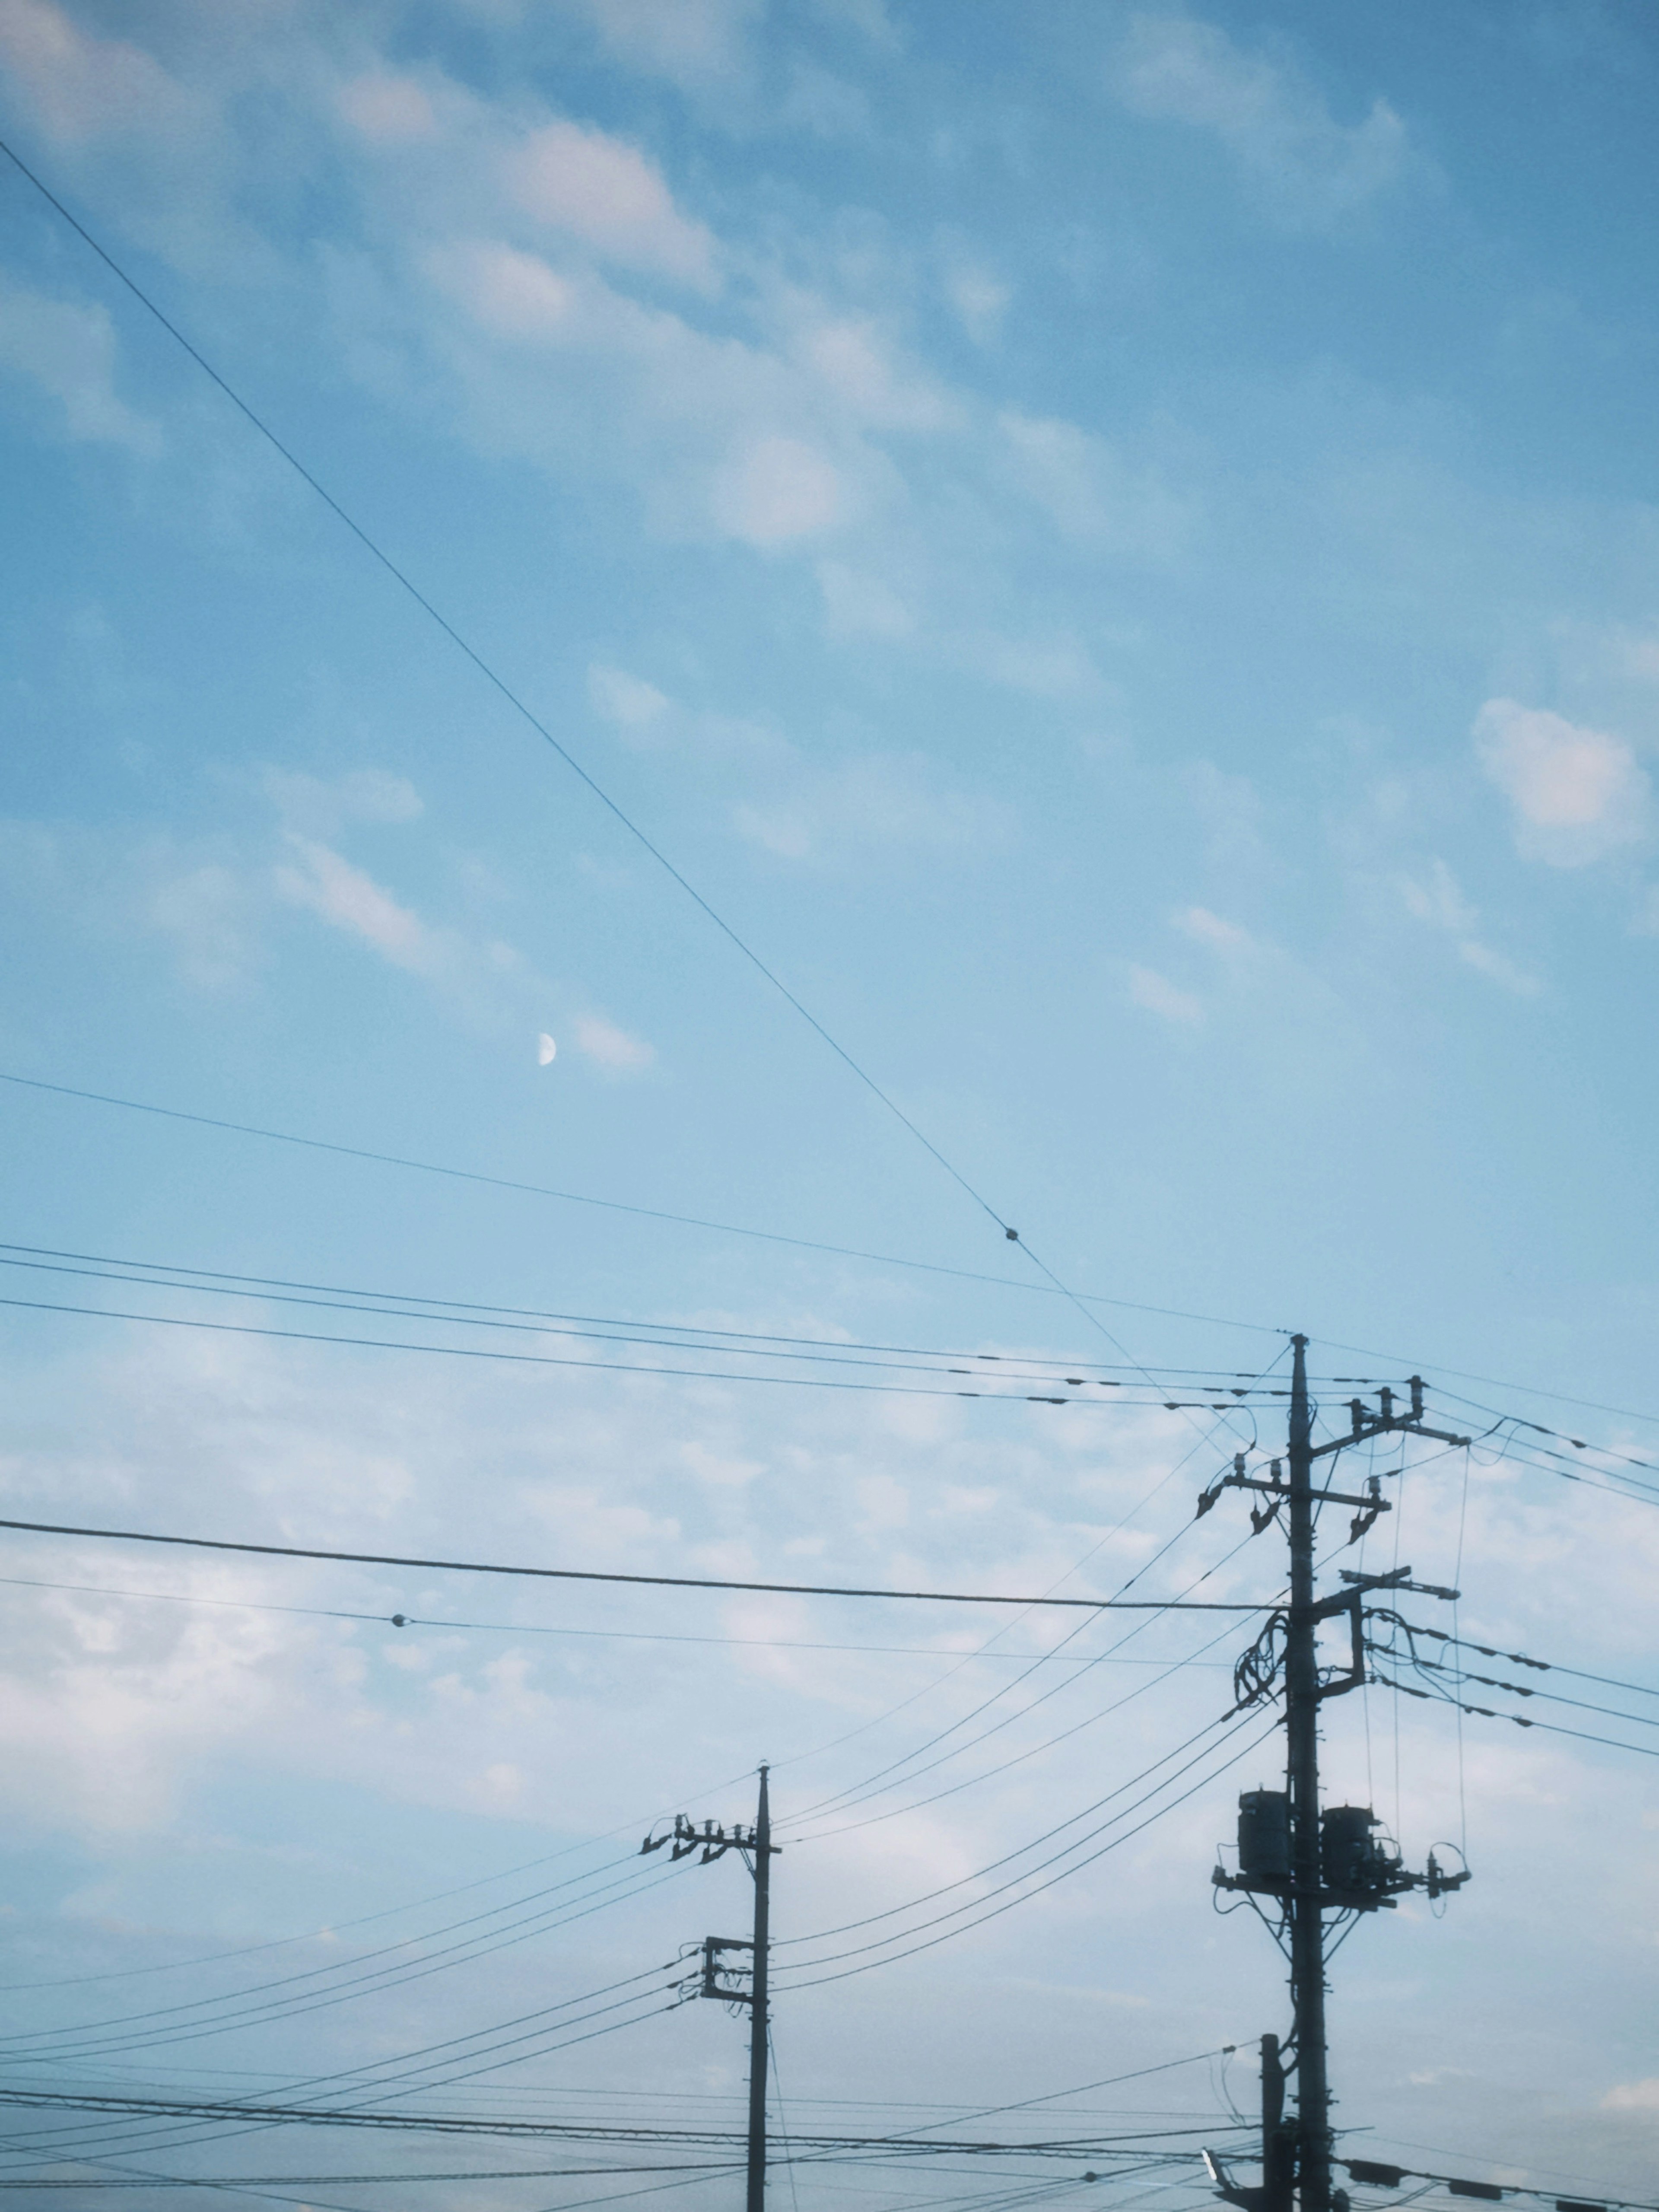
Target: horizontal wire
point(543, 1628)
point(617, 1206)
point(1023, 1851)
point(605, 1366)
point(886, 1359)
point(1519, 1689)
point(661, 1581)
point(950, 1935)
point(222, 1282)
point(1519, 1719)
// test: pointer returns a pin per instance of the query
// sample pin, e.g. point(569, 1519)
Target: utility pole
point(755, 1848)
point(1307, 1912)
point(1311, 1860)
point(757, 2014)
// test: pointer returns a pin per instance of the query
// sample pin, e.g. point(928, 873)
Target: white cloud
point(628, 700)
point(858, 604)
point(349, 900)
point(1578, 794)
point(1206, 928)
point(980, 301)
point(1633, 2097)
point(512, 293)
point(878, 801)
point(1486, 962)
point(777, 489)
point(1159, 996)
point(605, 192)
point(204, 911)
point(1086, 490)
point(67, 350)
point(318, 807)
point(1437, 900)
point(80, 85)
point(1304, 168)
point(1047, 668)
point(850, 359)
point(611, 1048)
point(717, 432)
point(701, 44)
point(389, 110)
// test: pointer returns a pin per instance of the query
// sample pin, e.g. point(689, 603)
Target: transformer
point(1352, 1859)
point(1264, 1836)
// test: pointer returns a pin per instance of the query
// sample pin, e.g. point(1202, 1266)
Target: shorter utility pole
point(755, 1848)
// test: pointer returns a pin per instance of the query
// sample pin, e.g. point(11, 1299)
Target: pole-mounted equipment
point(1299, 1861)
point(714, 1979)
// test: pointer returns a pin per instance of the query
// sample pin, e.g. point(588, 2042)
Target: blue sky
point(1116, 548)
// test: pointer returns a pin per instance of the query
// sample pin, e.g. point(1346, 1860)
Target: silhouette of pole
point(757, 2018)
point(1313, 2096)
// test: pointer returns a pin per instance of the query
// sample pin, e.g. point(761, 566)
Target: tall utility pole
point(1312, 1860)
point(757, 2015)
point(1307, 1912)
point(756, 1849)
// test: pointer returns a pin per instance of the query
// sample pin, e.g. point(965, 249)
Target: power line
point(598, 1575)
point(843, 1800)
point(612, 1204)
point(543, 1628)
point(603, 1366)
point(996, 1911)
point(803, 1244)
point(520, 707)
point(675, 1336)
point(1523, 1720)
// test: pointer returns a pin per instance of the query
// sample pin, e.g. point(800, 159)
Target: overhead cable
point(608, 1366)
point(606, 1575)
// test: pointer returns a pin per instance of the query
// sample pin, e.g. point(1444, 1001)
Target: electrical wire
point(520, 707)
point(597, 1575)
point(898, 1359)
point(1090, 1720)
point(1008, 1858)
point(550, 1360)
point(617, 1206)
point(173, 1276)
point(997, 1911)
point(842, 1797)
point(1526, 1721)
point(45, 2041)
point(543, 1628)
point(1003, 1282)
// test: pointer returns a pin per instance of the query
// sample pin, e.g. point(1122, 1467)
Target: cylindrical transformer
point(1264, 1835)
point(1350, 1856)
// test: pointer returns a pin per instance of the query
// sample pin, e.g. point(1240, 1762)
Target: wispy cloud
point(1206, 928)
point(874, 802)
point(1087, 490)
point(628, 702)
point(1436, 899)
point(67, 349)
point(601, 191)
point(611, 1048)
point(346, 897)
point(1159, 996)
point(1303, 167)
